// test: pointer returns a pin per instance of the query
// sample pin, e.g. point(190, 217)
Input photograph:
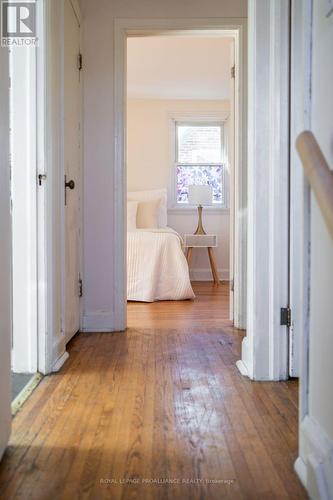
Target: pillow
point(132, 208)
point(153, 194)
point(147, 214)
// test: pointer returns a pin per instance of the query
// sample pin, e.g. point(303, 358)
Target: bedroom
point(180, 101)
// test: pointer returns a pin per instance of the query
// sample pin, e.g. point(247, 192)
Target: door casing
point(24, 186)
point(5, 256)
point(265, 347)
point(300, 119)
point(125, 28)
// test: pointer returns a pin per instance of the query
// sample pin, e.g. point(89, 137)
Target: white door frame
point(265, 347)
point(5, 256)
point(23, 140)
point(34, 308)
point(300, 196)
point(134, 27)
point(44, 201)
point(231, 158)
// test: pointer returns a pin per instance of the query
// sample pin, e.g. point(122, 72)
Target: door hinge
point(285, 316)
point(231, 286)
point(233, 72)
point(80, 287)
point(79, 61)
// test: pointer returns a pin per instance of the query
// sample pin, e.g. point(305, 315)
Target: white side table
point(208, 241)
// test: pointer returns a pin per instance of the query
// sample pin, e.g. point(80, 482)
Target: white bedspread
point(156, 266)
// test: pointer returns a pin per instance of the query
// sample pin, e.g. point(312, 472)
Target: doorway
point(46, 275)
point(124, 32)
point(180, 145)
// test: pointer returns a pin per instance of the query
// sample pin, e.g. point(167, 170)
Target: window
point(200, 159)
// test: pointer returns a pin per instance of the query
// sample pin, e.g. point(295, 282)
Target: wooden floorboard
point(158, 412)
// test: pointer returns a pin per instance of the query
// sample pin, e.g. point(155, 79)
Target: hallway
point(158, 412)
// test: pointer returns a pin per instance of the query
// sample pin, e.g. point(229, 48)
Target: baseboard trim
point(239, 323)
point(300, 469)
point(60, 362)
point(98, 322)
point(245, 365)
point(242, 368)
point(315, 464)
point(206, 274)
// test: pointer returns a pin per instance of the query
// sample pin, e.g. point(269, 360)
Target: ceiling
point(176, 67)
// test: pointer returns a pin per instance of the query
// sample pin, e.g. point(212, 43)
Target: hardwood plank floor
point(158, 412)
point(211, 307)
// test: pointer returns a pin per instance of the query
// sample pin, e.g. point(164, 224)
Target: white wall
point(315, 465)
point(150, 164)
point(321, 311)
point(99, 120)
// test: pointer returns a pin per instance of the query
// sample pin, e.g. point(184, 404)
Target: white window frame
point(198, 119)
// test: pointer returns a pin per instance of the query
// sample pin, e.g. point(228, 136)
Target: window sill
point(194, 211)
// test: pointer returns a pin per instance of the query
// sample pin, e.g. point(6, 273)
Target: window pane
point(199, 144)
point(197, 176)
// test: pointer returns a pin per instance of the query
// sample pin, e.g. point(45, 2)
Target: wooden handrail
point(319, 175)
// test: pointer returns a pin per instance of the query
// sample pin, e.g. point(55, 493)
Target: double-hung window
point(200, 159)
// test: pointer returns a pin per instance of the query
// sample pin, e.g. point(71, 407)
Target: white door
point(231, 158)
point(72, 170)
point(5, 256)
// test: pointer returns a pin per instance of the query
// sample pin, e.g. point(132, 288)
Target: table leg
point(213, 265)
point(189, 255)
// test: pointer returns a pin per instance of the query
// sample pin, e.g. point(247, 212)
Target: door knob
point(71, 185)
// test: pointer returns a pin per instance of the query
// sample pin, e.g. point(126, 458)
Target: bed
point(156, 266)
